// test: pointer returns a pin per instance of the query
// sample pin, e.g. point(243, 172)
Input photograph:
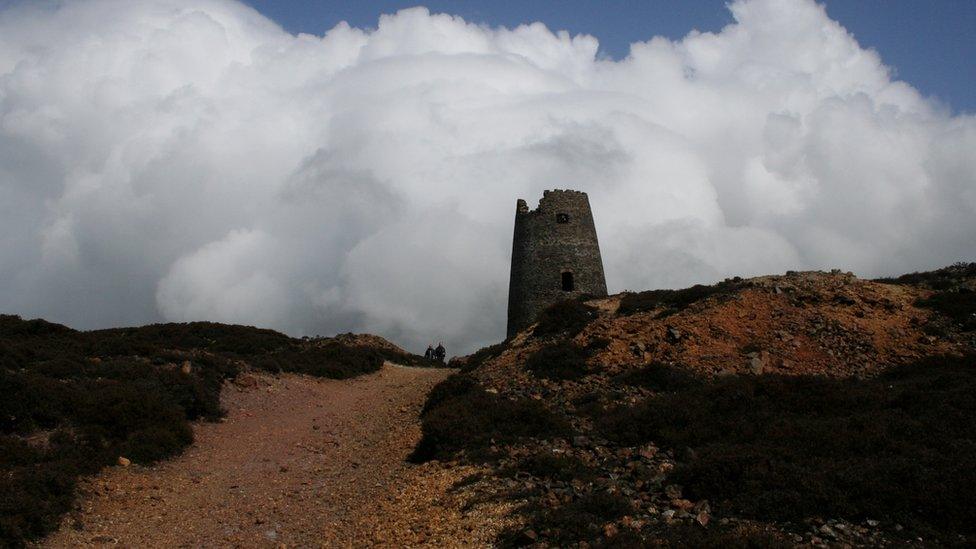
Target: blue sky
point(930, 43)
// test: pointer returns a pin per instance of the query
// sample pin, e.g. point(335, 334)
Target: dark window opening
point(568, 282)
point(562, 218)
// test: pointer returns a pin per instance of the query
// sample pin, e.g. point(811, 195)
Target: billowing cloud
point(177, 160)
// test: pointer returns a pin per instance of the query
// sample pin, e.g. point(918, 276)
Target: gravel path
point(298, 461)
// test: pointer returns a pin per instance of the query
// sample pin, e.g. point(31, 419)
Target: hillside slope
point(806, 408)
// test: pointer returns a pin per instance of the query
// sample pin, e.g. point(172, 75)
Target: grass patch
point(900, 447)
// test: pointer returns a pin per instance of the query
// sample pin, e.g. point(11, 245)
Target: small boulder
point(124, 462)
point(186, 368)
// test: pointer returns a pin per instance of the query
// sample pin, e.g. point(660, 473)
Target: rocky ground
point(298, 461)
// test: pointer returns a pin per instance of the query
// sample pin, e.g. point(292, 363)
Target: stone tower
point(555, 256)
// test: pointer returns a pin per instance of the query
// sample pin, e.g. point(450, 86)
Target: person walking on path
point(440, 352)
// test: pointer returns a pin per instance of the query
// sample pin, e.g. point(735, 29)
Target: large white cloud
point(178, 159)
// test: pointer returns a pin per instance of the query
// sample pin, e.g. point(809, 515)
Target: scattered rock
point(702, 518)
point(186, 368)
point(246, 381)
point(124, 462)
point(756, 365)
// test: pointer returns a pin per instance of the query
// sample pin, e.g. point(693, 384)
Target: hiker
point(440, 352)
point(429, 353)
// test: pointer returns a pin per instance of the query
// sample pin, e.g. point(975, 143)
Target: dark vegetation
point(560, 360)
point(673, 301)
point(659, 377)
point(73, 402)
point(959, 305)
point(551, 466)
point(579, 520)
point(564, 318)
point(461, 415)
point(954, 296)
point(900, 447)
point(482, 355)
point(940, 279)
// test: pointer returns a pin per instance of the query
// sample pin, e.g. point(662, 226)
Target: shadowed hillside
point(811, 408)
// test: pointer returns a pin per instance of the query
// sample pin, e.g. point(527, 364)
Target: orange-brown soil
point(298, 461)
point(817, 323)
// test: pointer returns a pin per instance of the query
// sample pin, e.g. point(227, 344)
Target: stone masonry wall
point(543, 248)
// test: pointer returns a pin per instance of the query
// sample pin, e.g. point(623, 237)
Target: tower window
point(568, 285)
point(562, 218)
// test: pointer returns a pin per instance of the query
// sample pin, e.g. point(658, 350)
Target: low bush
point(581, 520)
point(561, 360)
point(482, 355)
point(674, 300)
point(471, 419)
point(331, 360)
point(959, 305)
point(454, 386)
point(659, 377)
point(551, 466)
point(564, 318)
point(900, 447)
point(716, 537)
point(939, 279)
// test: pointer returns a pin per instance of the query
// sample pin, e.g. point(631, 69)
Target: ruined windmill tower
point(555, 256)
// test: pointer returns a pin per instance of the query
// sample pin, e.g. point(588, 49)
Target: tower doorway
point(568, 285)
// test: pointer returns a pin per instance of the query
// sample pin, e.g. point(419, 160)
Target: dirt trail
point(297, 461)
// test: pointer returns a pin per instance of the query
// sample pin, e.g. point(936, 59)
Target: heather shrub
point(564, 318)
point(674, 300)
point(471, 419)
point(900, 447)
point(959, 305)
point(454, 386)
point(552, 466)
point(939, 279)
point(715, 537)
point(561, 360)
point(331, 360)
point(658, 377)
point(578, 521)
point(482, 355)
